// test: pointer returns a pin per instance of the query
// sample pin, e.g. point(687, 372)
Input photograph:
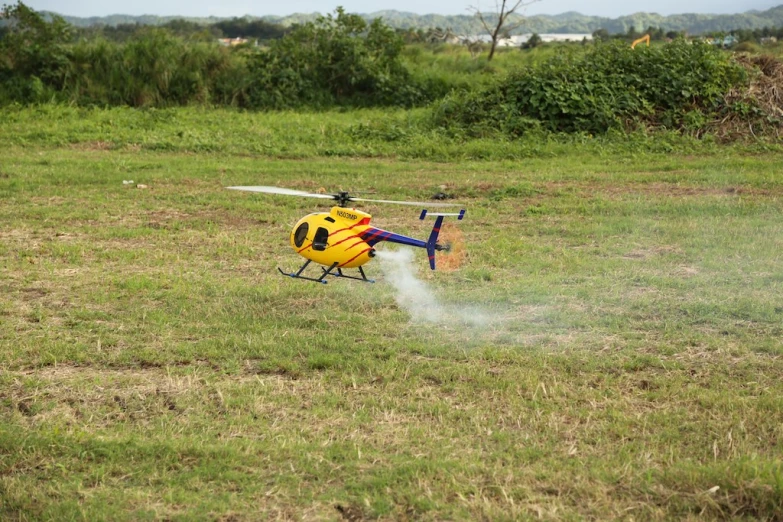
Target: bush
point(333, 61)
point(748, 47)
point(154, 68)
point(609, 87)
point(33, 55)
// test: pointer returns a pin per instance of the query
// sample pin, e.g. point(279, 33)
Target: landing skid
point(326, 272)
point(340, 273)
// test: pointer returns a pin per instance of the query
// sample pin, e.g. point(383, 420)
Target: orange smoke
point(457, 255)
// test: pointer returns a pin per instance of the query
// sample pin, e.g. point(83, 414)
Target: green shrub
point(33, 55)
point(338, 60)
point(748, 47)
point(154, 68)
point(610, 86)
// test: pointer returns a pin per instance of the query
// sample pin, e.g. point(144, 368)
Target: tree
point(33, 55)
point(533, 41)
point(333, 60)
point(601, 35)
point(243, 28)
point(500, 24)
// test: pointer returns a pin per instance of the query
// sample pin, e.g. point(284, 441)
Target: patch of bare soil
point(661, 189)
point(70, 393)
point(93, 145)
point(610, 189)
point(645, 253)
point(162, 219)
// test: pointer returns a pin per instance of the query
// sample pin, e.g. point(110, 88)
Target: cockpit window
point(301, 234)
point(319, 242)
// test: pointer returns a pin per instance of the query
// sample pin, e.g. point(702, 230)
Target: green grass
point(156, 366)
point(371, 133)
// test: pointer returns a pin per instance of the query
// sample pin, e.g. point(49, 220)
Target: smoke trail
point(467, 325)
point(411, 293)
point(414, 296)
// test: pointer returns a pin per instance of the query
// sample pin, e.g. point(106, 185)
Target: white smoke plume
point(414, 296)
point(411, 293)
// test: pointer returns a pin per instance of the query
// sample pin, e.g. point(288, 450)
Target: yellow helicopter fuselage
point(339, 236)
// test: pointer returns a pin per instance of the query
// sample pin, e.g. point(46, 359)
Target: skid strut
point(330, 271)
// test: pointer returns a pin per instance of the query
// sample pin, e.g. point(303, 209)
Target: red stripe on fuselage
point(357, 255)
point(333, 233)
point(375, 232)
point(361, 241)
point(379, 234)
point(346, 228)
point(346, 239)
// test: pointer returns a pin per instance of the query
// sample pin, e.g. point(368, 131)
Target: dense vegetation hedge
point(611, 86)
point(338, 60)
point(156, 69)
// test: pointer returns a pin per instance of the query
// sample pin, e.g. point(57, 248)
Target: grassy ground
point(156, 366)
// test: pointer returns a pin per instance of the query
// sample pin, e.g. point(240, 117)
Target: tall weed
point(153, 69)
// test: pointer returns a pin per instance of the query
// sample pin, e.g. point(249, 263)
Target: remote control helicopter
point(343, 237)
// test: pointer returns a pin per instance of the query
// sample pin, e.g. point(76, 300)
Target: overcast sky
point(228, 8)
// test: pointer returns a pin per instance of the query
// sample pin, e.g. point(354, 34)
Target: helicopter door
point(319, 242)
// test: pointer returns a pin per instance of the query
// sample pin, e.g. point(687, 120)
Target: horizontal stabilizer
point(425, 213)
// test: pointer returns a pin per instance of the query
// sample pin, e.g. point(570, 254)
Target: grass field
point(610, 349)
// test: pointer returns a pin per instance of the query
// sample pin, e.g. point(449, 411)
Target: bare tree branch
point(483, 22)
point(502, 10)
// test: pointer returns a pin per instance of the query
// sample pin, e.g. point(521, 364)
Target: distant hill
point(118, 19)
point(570, 22)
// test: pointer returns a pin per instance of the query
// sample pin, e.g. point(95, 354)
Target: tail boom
point(373, 235)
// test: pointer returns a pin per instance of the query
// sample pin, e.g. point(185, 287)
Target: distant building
point(518, 39)
point(766, 40)
point(556, 37)
point(231, 42)
point(726, 41)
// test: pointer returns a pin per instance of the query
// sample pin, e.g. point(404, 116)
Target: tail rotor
point(432, 243)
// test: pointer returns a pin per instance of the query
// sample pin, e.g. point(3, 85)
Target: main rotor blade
point(414, 203)
point(283, 191)
point(300, 193)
